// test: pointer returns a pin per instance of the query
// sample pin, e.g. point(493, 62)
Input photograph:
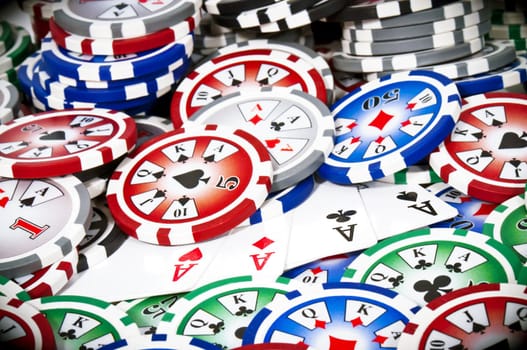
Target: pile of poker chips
point(15, 45)
point(86, 61)
point(40, 11)
point(345, 291)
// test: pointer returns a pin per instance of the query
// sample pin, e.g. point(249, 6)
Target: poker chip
point(121, 19)
point(31, 238)
point(51, 279)
point(507, 223)
point(281, 202)
point(472, 212)
point(11, 289)
point(420, 174)
point(485, 152)
point(147, 312)
point(413, 60)
point(9, 101)
point(100, 67)
point(95, 186)
point(389, 124)
point(24, 327)
point(151, 126)
point(418, 30)
point(220, 312)
point(21, 48)
point(218, 7)
point(427, 263)
point(478, 316)
point(6, 37)
point(190, 185)
point(135, 90)
point(107, 46)
point(265, 14)
point(64, 142)
point(101, 322)
point(321, 9)
point(252, 64)
point(365, 10)
point(296, 128)
point(500, 16)
point(160, 341)
point(434, 14)
point(494, 55)
point(510, 75)
point(331, 315)
point(508, 31)
point(102, 239)
point(327, 270)
point(400, 46)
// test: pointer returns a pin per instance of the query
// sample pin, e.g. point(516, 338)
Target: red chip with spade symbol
point(485, 156)
point(64, 142)
point(190, 185)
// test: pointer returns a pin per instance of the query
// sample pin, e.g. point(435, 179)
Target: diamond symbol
point(356, 322)
point(320, 324)
point(263, 243)
point(381, 120)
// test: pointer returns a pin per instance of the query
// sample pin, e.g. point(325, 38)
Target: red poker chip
point(107, 46)
point(64, 142)
point(485, 155)
point(190, 185)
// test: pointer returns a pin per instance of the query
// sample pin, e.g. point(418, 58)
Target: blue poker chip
point(510, 75)
point(333, 315)
point(472, 212)
point(281, 202)
point(102, 68)
point(390, 123)
point(43, 101)
point(139, 88)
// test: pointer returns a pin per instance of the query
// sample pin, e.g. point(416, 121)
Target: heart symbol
point(407, 196)
point(53, 136)
point(512, 140)
point(272, 143)
point(3, 202)
point(190, 179)
point(193, 255)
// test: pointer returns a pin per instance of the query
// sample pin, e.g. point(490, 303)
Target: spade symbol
point(58, 135)
point(512, 140)
point(407, 196)
point(191, 179)
point(28, 202)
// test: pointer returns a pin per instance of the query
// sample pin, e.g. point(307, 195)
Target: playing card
point(138, 270)
point(333, 221)
point(259, 250)
point(395, 209)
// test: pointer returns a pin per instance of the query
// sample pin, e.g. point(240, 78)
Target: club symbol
point(277, 126)
point(243, 311)
point(217, 327)
point(422, 265)
point(433, 289)
point(454, 267)
point(68, 335)
point(396, 281)
point(341, 216)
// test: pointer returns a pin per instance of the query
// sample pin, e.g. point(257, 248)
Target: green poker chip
point(420, 174)
point(147, 312)
point(6, 37)
point(428, 263)
point(219, 312)
point(80, 322)
point(11, 289)
point(21, 48)
point(507, 223)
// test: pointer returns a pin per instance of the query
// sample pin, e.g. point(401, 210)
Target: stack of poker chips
point(113, 54)
point(15, 45)
point(39, 11)
point(229, 22)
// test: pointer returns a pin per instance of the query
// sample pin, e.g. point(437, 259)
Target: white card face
point(258, 250)
point(395, 209)
point(332, 221)
point(138, 270)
